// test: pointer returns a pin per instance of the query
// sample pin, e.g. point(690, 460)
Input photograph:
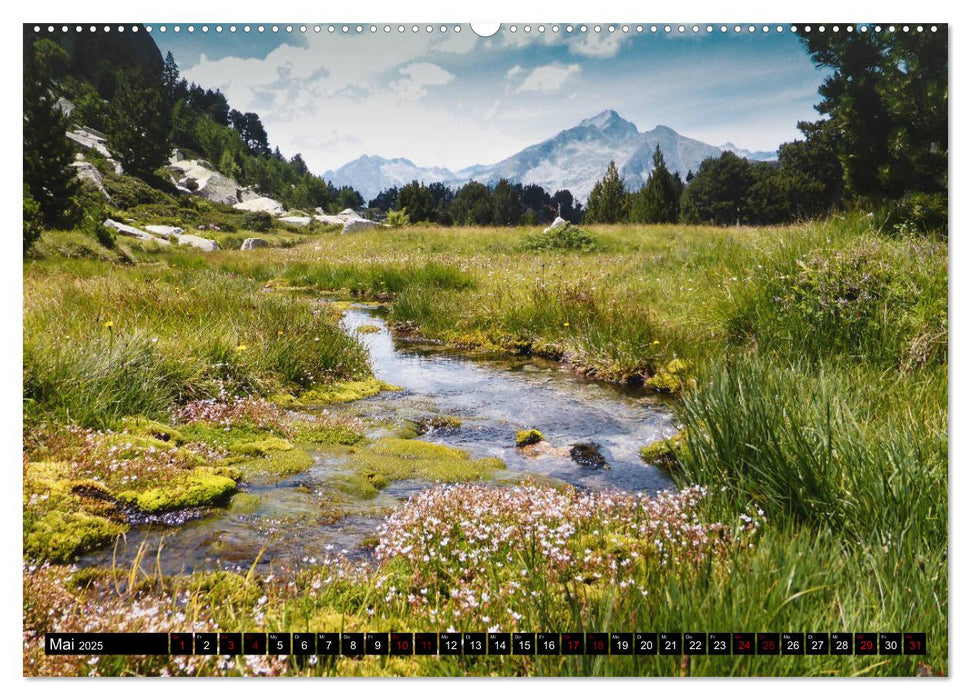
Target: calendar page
point(449, 349)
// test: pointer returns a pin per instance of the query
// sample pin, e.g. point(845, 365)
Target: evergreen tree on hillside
point(139, 123)
point(719, 191)
point(658, 201)
point(48, 175)
point(564, 206)
point(606, 204)
point(506, 207)
point(473, 205)
point(170, 78)
point(416, 199)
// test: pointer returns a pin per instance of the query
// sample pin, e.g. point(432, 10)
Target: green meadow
point(807, 365)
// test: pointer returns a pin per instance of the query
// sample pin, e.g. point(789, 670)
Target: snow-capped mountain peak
point(573, 159)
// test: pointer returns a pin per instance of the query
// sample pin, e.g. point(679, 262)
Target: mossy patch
point(342, 392)
point(281, 462)
point(324, 434)
point(368, 328)
point(59, 537)
point(376, 466)
point(439, 423)
point(671, 379)
point(262, 447)
point(152, 429)
point(200, 487)
point(528, 437)
point(665, 453)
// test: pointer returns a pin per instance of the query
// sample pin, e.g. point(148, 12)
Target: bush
point(397, 219)
point(32, 220)
point(127, 192)
point(568, 237)
point(919, 213)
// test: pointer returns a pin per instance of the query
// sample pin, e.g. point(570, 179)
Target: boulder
point(330, 219)
point(200, 178)
point(258, 203)
point(251, 243)
point(558, 223)
point(349, 214)
point(126, 230)
point(359, 225)
point(89, 174)
point(88, 139)
point(295, 220)
point(588, 455)
point(164, 230)
point(204, 244)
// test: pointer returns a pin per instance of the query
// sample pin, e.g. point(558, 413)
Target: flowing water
point(298, 518)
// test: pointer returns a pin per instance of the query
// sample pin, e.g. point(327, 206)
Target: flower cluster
point(488, 546)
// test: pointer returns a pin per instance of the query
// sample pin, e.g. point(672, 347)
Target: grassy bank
point(811, 364)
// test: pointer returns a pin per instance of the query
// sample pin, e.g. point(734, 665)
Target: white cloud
point(548, 78)
point(418, 77)
point(514, 71)
point(597, 44)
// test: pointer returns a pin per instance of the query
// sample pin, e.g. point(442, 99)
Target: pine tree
point(48, 175)
point(658, 201)
point(507, 210)
point(606, 204)
point(170, 77)
point(139, 123)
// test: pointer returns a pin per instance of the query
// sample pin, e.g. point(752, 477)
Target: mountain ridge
point(573, 159)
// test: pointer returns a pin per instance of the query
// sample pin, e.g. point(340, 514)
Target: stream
point(301, 517)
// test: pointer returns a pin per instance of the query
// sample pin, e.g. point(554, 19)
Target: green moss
point(281, 462)
point(673, 378)
point(261, 447)
point(342, 392)
point(439, 423)
point(59, 537)
point(152, 429)
point(201, 487)
point(244, 503)
point(131, 445)
point(528, 437)
point(326, 434)
point(664, 453)
point(415, 449)
point(225, 588)
point(394, 459)
point(369, 328)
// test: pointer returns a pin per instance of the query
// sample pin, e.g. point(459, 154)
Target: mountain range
point(574, 159)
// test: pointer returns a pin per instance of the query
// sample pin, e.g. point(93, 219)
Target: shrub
point(397, 219)
point(568, 237)
point(32, 220)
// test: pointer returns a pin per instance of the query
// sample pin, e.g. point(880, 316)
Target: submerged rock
point(588, 455)
point(528, 437)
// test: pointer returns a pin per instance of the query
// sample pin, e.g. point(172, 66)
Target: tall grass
point(118, 341)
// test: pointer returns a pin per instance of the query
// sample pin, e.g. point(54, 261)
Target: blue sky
point(453, 99)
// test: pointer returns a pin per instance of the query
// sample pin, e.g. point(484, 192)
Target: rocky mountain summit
point(573, 159)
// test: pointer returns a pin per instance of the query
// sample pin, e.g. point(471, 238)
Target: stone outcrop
point(165, 230)
point(199, 177)
point(131, 231)
point(88, 139)
point(204, 244)
point(89, 174)
point(251, 243)
point(359, 225)
point(295, 220)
